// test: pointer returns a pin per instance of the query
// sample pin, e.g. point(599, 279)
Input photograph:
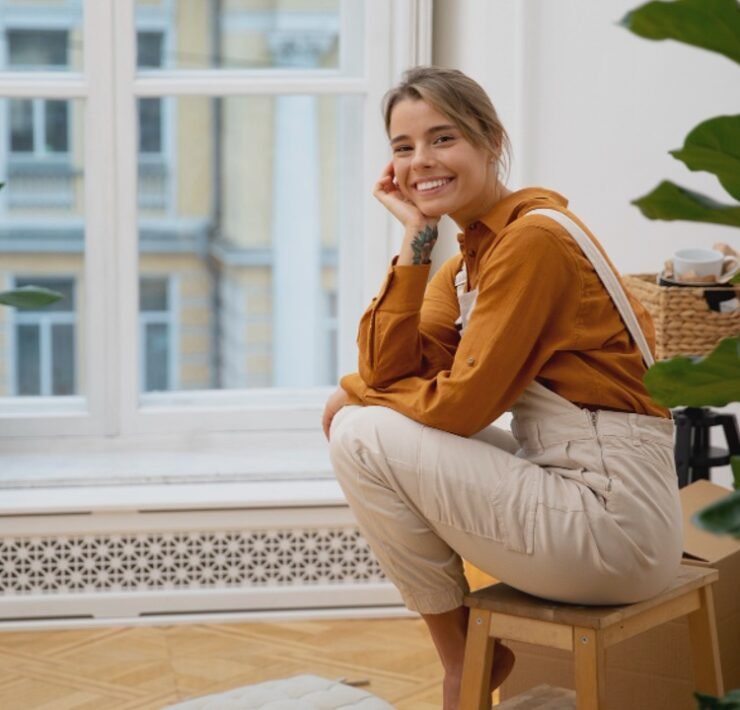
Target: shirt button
point(471, 252)
point(474, 225)
point(470, 361)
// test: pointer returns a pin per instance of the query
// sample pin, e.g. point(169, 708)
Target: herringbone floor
point(127, 668)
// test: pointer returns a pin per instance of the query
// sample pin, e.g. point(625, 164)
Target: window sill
point(85, 500)
point(208, 458)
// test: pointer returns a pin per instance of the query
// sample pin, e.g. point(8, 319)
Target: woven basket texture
point(684, 322)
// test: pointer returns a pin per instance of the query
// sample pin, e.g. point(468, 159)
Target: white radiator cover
point(120, 564)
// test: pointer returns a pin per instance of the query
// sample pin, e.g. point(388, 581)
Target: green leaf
point(731, 701)
point(721, 517)
point(714, 146)
point(735, 465)
point(669, 201)
point(710, 24)
point(712, 381)
point(29, 297)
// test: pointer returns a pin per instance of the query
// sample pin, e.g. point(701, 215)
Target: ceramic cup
point(700, 263)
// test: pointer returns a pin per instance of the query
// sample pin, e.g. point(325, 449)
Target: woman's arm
point(409, 328)
point(527, 308)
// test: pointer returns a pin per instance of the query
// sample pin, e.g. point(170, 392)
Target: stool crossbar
point(501, 612)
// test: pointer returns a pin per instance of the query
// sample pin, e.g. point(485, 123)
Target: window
point(224, 240)
point(156, 334)
point(44, 352)
point(38, 127)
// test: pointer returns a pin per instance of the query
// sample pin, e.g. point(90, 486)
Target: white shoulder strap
point(607, 276)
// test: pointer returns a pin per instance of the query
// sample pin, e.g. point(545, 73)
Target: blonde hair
point(462, 100)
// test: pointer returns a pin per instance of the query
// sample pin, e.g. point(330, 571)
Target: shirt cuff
point(404, 287)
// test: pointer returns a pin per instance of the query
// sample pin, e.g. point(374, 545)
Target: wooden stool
point(500, 612)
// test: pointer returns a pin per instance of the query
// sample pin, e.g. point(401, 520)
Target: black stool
point(694, 455)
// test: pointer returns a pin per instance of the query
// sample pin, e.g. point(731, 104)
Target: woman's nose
point(423, 156)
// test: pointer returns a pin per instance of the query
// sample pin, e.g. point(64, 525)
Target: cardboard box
point(653, 671)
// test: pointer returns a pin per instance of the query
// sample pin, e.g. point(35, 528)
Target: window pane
point(28, 360)
point(248, 223)
point(21, 125)
point(150, 125)
point(37, 48)
point(41, 36)
point(157, 349)
point(57, 126)
point(63, 359)
point(254, 34)
point(153, 294)
point(149, 50)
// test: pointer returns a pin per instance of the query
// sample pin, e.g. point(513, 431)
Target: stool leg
point(704, 646)
point(683, 448)
point(588, 650)
point(729, 425)
point(475, 692)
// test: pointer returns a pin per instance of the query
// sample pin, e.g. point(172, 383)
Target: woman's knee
point(360, 434)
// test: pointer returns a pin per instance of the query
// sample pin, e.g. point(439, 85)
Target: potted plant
point(712, 146)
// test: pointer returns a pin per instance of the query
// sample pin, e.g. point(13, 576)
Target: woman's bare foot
point(503, 663)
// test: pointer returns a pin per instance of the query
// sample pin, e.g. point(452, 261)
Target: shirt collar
point(512, 206)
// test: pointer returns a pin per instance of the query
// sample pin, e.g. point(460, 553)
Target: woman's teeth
point(431, 184)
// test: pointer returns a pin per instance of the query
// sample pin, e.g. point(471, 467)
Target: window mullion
point(101, 343)
point(126, 335)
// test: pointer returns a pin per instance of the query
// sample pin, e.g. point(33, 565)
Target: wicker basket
point(684, 322)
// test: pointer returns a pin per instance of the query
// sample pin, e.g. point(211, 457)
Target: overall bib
point(576, 506)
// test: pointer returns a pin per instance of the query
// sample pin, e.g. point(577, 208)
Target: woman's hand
point(338, 399)
point(420, 230)
point(406, 212)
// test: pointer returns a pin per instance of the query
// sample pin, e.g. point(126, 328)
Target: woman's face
point(436, 167)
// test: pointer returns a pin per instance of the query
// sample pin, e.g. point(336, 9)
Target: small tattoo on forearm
point(422, 245)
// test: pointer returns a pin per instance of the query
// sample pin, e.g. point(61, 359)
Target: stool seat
point(507, 600)
point(502, 612)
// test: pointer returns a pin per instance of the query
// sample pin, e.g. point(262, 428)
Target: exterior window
point(149, 56)
point(156, 334)
point(35, 48)
point(45, 343)
point(38, 127)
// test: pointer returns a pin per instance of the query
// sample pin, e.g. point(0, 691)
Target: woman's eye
point(401, 149)
point(444, 139)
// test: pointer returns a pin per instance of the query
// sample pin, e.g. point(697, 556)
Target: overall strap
point(607, 276)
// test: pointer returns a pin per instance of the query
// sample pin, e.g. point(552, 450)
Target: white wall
point(593, 109)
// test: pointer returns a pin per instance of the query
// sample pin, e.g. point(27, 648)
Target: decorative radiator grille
point(184, 560)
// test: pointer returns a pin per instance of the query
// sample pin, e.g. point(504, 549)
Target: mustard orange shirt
point(541, 312)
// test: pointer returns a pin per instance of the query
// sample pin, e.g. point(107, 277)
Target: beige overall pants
point(576, 506)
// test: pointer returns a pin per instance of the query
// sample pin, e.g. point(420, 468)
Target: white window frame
point(397, 35)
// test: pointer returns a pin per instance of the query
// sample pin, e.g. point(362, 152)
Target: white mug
point(700, 263)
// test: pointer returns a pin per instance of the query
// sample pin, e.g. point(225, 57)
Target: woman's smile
point(432, 186)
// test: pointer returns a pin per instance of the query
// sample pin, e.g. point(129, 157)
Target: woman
point(581, 504)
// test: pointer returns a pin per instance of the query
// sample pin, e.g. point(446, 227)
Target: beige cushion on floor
point(302, 692)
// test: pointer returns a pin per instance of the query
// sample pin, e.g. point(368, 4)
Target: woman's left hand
point(338, 399)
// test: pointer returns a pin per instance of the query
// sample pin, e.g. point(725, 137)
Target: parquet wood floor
point(145, 668)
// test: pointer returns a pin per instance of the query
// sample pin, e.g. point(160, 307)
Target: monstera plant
point(713, 146)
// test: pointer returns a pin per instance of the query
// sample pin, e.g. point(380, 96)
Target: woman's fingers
point(337, 400)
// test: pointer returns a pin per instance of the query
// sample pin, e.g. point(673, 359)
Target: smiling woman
point(530, 316)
